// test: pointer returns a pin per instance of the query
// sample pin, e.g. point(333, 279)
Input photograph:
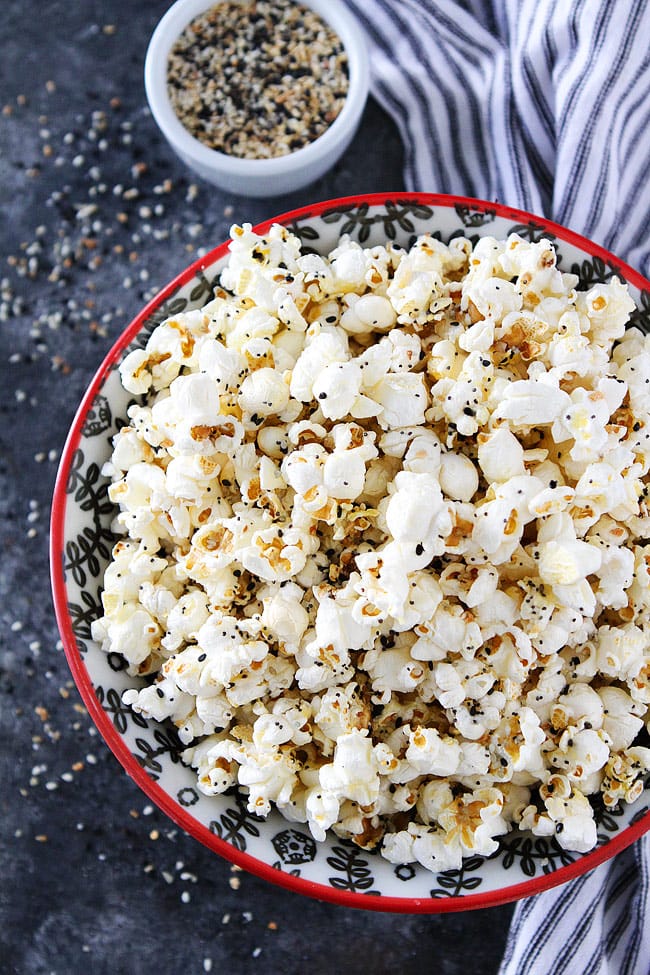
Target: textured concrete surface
point(96, 215)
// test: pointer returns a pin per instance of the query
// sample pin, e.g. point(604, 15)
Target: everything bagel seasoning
point(257, 79)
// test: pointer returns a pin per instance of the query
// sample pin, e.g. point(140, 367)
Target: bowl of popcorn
point(349, 552)
point(257, 97)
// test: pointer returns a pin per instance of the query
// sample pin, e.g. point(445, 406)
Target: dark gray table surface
point(97, 214)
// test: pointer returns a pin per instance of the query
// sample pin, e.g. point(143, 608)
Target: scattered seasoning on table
point(257, 79)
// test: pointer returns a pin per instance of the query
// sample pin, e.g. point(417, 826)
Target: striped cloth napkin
point(545, 106)
point(598, 924)
point(538, 104)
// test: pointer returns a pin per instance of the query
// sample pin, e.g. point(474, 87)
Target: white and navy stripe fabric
point(598, 924)
point(538, 104)
point(542, 105)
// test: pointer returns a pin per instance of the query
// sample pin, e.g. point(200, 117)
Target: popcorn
point(621, 719)
point(339, 712)
point(468, 824)
point(528, 402)
point(458, 477)
point(269, 779)
point(336, 623)
point(616, 574)
point(337, 387)
point(585, 417)
point(128, 449)
point(580, 707)
point(475, 819)
point(393, 671)
point(402, 398)
point(422, 844)
point(264, 392)
point(621, 651)
point(215, 772)
point(131, 632)
point(430, 754)
point(324, 349)
point(417, 289)
point(275, 557)
point(354, 773)
point(174, 344)
point(284, 617)
point(608, 307)
point(568, 816)
point(459, 401)
point(322, 811)
point(500, 521)
point(500, 455)
point(383, 519)
point(569, 351)
point(367, 313)
point(252, 323)
point(492, 298)
point(564, 559)
point(623, 778)
point(416, 511)
point(344, 475)
point(579, 754)
point(448, 629)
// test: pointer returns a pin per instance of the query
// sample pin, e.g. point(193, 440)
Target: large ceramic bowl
point(81, 541)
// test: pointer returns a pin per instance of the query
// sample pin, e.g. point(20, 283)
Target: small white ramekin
point(258, 177)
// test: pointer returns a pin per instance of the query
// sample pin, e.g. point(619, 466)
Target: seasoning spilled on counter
point(257, 79)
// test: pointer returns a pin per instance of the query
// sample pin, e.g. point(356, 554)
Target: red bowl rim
point(80, 674)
